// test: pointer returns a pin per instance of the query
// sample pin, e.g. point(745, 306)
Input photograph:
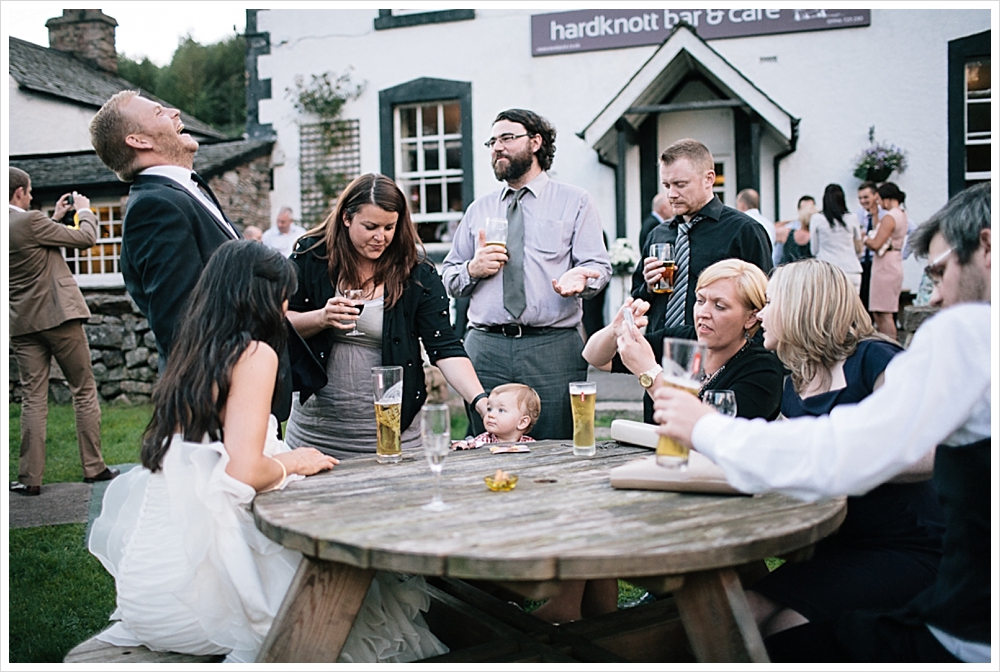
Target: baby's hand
point(468, 443)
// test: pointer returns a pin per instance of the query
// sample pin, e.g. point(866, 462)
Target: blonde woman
point(888, 548)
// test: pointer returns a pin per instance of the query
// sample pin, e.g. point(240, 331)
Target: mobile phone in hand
point(628, 317)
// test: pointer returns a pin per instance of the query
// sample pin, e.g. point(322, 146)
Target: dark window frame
point(426, 89)
point(386, 20)
point(960, 51)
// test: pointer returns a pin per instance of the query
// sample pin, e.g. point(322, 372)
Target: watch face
point(645, 380)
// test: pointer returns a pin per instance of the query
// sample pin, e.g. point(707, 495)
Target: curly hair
point(535, 125)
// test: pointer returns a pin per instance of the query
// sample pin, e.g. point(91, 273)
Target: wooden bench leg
point(717, 619)
point(317, 614)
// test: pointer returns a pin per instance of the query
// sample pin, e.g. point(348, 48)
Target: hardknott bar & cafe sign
point(590, 30)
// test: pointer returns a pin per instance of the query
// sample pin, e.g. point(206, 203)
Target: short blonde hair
point(528, 401)
point(751, 283)
point(819, 318)
point(692, 150)
point(108, 130)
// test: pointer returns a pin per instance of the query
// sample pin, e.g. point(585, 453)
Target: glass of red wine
point(356, 295)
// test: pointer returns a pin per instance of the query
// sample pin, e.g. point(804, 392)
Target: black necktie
point(203, 185)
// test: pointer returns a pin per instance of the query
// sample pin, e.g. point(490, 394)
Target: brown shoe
point(26, 490)
point(105, 475)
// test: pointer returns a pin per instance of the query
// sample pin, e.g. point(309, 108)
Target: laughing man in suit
point(172, 223)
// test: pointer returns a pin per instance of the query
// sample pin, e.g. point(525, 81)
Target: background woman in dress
point(835, 235)
point(797, 244)
point(369, 243)
point(193, 574)
point(889, 546)
point(887, 265)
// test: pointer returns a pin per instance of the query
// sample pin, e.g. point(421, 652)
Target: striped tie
point(678, 299)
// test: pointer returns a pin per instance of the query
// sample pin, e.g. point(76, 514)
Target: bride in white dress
point(192, 572)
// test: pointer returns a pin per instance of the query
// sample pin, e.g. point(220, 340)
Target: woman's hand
point(677, 412)
point(306, 461)
point(339, 313)
point(635, 350)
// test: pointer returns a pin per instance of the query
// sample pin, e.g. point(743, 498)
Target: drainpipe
point(777, 160)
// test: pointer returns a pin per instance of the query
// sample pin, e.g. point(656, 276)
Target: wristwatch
point(646, 379)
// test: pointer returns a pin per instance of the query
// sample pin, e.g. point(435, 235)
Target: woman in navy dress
point(888, 548)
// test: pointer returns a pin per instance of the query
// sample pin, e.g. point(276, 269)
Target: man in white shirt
point(748, 201)
point(936, 394)
point(284, 234)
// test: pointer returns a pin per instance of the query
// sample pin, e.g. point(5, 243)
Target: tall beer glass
point(387, 386)
point(496, 231)
point(683, 368)
point(665, 253)
point(582, 400)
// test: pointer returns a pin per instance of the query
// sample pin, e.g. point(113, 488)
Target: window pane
point(416, 205)
point(977, 75)
point(453, 154)
point(455, 197)
point(977, 158)
point(430, 119)
point(452, 118)
point(431, 158)
point(408, 158)
point(979, 117)
point(408, 122)
point(434, 198)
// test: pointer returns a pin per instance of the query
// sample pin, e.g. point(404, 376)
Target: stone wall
point(245, 193)
point(122, 352)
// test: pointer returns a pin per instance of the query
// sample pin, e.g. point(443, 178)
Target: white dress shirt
point(182, 176)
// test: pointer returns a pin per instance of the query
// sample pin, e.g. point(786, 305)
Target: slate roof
point(79, 170)
point(56, 73)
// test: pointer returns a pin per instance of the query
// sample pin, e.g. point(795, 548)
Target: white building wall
point(892, 74)
point(54, 126)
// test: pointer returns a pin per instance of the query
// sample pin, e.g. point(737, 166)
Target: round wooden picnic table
point(562, 521)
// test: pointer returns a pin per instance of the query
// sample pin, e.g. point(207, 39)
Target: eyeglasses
point(935, 269)
point(504, 139)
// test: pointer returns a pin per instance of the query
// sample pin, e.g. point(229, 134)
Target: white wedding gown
point(194, 574)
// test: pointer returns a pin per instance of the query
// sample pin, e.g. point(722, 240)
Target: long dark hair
point(396, 264)
point(238, 299)
point(834, 204)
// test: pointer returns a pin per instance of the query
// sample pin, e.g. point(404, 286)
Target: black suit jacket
point(167, 238)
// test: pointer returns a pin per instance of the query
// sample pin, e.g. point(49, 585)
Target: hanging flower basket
point(623, 257)
point(879, 160)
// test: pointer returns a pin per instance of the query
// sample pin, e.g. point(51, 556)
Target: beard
point(179, 148)
point(517, 165)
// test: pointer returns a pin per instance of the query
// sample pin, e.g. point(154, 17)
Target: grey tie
point(513, 271)
point(682, 254)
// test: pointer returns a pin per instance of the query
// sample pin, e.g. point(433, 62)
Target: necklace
point(718, 372)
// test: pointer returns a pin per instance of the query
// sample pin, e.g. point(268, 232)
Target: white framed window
point(99, 266)
point(978, 105)
point(719, 188)
point(428, 158)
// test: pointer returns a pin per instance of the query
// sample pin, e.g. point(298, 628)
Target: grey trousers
point(547, 362)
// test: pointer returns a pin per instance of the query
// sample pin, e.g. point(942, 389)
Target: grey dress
point(340, 419)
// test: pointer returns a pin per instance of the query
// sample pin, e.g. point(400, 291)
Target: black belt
point(518, 330)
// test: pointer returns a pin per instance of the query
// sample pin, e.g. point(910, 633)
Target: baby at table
point(511, 411)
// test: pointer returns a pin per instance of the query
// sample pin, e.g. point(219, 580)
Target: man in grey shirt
point(525, 307)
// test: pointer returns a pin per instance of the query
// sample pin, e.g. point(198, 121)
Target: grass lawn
point(121, 429)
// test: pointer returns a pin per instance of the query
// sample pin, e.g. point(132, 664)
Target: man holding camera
point(47, 312)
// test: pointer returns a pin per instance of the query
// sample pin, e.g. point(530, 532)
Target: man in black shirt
point(703, 230)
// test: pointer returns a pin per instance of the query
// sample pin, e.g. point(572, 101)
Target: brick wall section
point(122, 352)
point(245, 193)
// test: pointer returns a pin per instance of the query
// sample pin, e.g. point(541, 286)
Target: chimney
point(88, 34)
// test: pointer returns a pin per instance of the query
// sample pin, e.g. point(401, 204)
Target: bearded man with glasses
point(525, 295)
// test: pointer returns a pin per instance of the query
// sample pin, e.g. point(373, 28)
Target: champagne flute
point(356, 295)
point(435, 429)
point(724, 401)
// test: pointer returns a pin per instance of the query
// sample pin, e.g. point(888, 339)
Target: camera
point(68, 217)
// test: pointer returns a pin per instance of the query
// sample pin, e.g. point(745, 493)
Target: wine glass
point(435, 428)
point(356, 295)
point(724, 401)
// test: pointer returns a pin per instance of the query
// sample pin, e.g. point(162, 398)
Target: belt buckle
point(509, 332)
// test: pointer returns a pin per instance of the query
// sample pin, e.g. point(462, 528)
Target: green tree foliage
point(206, 81)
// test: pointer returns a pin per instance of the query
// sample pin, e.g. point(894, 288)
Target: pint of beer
point(665, 253)
point(669, 453)
point(387, 387)
point(582, 399)
point(683, 368)
point(496, 231)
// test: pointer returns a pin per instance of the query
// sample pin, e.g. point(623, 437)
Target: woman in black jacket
point(369, 243)
point(728, 296)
